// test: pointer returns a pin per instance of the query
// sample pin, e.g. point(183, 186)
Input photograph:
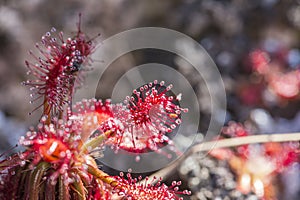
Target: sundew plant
point(57, 162)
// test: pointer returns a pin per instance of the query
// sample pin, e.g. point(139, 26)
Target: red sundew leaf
point(58, 68)
point(129, 188)
point(57, 144)
point(92, 113)
point(153, 112)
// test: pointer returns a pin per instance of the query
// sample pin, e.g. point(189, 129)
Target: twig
point(231, 142)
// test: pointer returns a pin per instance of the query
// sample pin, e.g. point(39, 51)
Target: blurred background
point(255, 45)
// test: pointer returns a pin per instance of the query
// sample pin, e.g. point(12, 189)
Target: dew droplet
point(178, 121)
point(169, 87)
point(22, 163)
point(173, 126)
point(174, 183)
point(137, 158)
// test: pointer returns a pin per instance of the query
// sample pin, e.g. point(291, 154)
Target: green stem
point(47, 111)
point(96, 141)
